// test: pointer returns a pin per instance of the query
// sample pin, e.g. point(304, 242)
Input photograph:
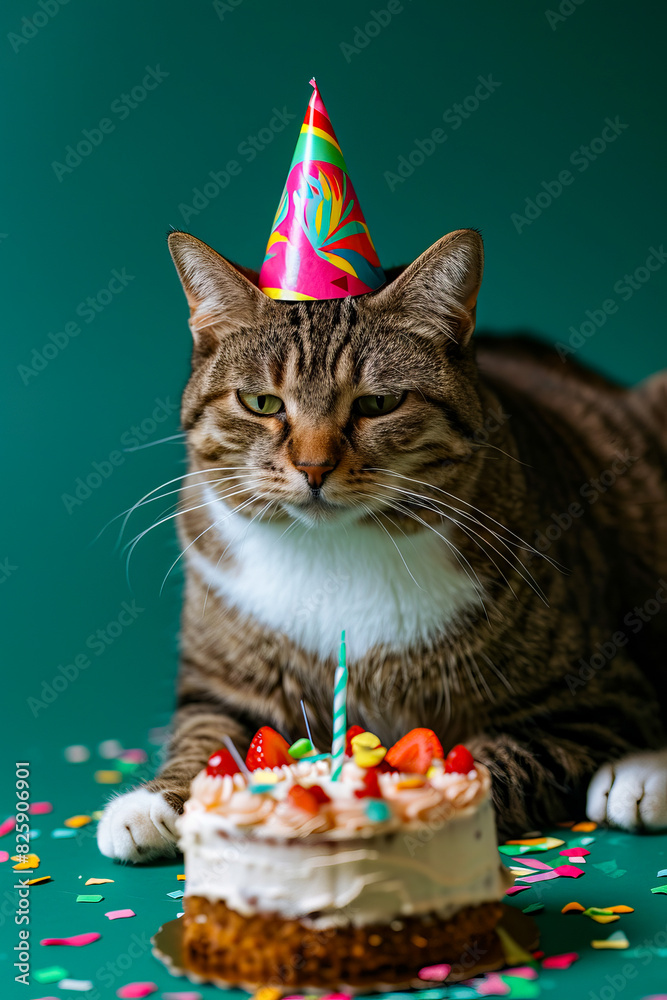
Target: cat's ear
point(221, 296)
point(437, 293)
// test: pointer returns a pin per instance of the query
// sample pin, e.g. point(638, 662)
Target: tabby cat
point(487, 522)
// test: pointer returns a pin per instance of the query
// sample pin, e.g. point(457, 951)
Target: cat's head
point(333, 409)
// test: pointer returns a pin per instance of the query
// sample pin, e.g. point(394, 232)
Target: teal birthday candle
point(339, 712)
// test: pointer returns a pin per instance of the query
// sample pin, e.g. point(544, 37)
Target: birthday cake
point(296, 875)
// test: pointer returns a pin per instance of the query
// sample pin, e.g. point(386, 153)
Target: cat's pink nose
point(315, 474)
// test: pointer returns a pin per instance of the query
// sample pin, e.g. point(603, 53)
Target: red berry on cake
point(318, 793)
point(349, 736)
point(268, 749)
point(459, 760)
point(220, 763)
point(371, 789)
point(303, 798)
point(415, 751)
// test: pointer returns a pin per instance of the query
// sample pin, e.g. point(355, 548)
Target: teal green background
point(228, 68)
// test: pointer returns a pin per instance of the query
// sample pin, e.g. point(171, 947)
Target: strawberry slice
point(459, 760)
point(371, 789)
point(302, 798)
point(349, 736)
point(415, 751)
point(221, 762)
point(268, 749)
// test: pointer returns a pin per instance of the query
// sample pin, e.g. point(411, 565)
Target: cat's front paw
point(631, 793)
point(139, 826)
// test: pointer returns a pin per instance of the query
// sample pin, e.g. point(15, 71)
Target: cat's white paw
point(138, 826)
point(631, 793)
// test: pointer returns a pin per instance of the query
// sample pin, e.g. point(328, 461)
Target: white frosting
point(436, 852)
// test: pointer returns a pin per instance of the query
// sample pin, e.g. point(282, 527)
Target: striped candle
point(339, 712)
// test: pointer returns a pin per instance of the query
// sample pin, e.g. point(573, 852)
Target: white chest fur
point(310, 584)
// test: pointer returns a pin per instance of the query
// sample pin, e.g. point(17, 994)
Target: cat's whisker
point(220, 558)
point(388, 533)
point(499, 674)
point(151, 444)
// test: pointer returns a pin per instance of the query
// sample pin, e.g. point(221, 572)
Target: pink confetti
point(182, 995)
point(39, 808)
point(435, 973)
point(4, 856)
point(134, 990)
point(513, 889)
point(522, 972)
point(134, 756)
point(7, 826)
point(541, 877)
point(492, 986)
point(533, 863)
point(563, 961)
point(578, 852)
point(569, 871)
point(77, 940)
point(119, 914)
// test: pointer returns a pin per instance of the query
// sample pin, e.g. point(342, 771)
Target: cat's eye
point(264, 404)
point(377, 406)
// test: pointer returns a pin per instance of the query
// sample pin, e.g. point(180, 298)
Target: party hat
point(319, 247)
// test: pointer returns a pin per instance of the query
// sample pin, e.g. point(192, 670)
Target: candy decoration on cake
point(320, 246)
point(339, 712)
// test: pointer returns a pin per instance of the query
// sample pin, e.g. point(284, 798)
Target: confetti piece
point(4, 856)
point(534, 908)
point(493, 986)
point(514, 889)
point(74, 822)
point(176, 894)
point(89, 899)
point(512, 849)
point(49, 974)
point(617, 940)
point(539, 843)
point(540, 877)
point(569, 871)
point(181, 878)
point(601, 916)
point(136, 756)
point(77, 753)
point(522, 871)
point(662, 873)
point(569, 852)
point(108, 777)
point(119, 914)
point(514, 953)
point(563, 961)
point(7, 826)
point(77, 940)
point(522, 972)
point(535, 864)
point(109, 749)
point(270, 993)
point(80, 985)
point(40, 808)
point(60, 833)
point(436, 973)
point(610, 868)
point(186, 995)
point(661, 889)
point(620, 908)
point(133, 990)
point(34, 834)
point(38, 881)
point(586, 827)
point(573, 908)
point(98, 881)
point(25, 861)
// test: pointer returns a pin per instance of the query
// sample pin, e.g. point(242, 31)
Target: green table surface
point(123, 954)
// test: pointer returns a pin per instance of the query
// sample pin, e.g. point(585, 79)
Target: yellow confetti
point(522, 871)
point(108, 777)
point(573, 908)
point(267, 993)
point(514, 953)
point(74, 822)
point(603, 918)
point(411, 783)
point(586, 827)
point(98, 881)
point(25, 861)
point(619, 942)
point(544, 843)
point(37, 881)
point(97, 814)
point(181, 878)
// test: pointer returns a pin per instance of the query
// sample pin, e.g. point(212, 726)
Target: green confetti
point(50, 974)
point(521, 989)
point(533, 908)
point(126, 766)
point(662, 889)
point(516, 851)
point(89, 899)
point(610, 868)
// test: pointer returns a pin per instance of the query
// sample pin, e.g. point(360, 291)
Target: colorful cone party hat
point(319, 247)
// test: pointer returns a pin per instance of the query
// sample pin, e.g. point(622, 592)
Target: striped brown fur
point(505, 427)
